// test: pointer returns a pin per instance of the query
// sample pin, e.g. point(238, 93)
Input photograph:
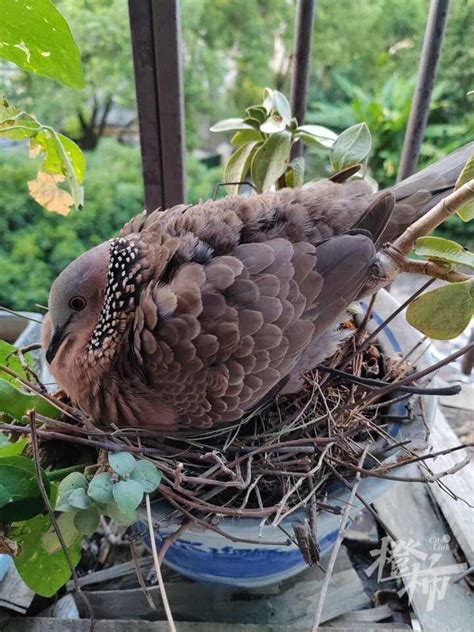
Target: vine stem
point(44, 494)
point(157, 565)
point(392, 259)
point(337, 545)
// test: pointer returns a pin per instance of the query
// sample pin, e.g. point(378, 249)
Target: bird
point(195, 316)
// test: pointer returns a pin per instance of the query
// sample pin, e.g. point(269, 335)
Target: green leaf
point(35, 36)
point(123, 518)
point(351, 147)
point(466, 212)
point(71, 483)
point(78, 499)
point(246, 136)
point(229, 125)
point(444, 250)
point(123, 463)
point(20, 495)
point(316, 135)
point(282, 106)
point(294, 176)
point(238, 166)
point(257, 112)
point(87, 521)
point(128, 495)
point(16, 402)
point(43, 572)
point(69, 532)
point(443, 313)
point(100, 488)
point(13, 449)
point(273, 124)
point(9, 358)
point(55, 146)
point(252, 122)
point(147, 475)
point(271, 160)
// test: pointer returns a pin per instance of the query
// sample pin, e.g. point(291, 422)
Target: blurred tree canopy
point(364, 62)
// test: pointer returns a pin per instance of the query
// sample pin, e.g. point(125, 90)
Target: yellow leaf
point(46, 192)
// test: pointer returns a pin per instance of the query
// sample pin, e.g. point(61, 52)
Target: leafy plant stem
point(55, 475)
point(391, 260)
point(75, 578)
point(156, 561)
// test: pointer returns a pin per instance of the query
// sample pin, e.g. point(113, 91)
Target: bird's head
point(89, 301)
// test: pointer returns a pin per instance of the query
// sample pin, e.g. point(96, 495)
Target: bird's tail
point(399, 206)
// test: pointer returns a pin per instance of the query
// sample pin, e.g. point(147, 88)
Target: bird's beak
point(59, 334)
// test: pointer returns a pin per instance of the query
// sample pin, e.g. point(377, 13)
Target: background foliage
point(365, 57)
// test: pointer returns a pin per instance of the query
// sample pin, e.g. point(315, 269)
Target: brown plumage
point(194, 316)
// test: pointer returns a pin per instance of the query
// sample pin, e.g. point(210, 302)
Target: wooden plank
point(457, 513)
point(425, 562)
point(293, 602)
point(83, 625)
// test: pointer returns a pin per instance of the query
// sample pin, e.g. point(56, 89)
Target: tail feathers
point(416, 195)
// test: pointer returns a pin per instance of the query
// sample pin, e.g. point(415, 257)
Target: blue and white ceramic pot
point(204, 555)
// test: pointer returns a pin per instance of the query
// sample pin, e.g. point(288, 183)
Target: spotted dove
point(194, 316)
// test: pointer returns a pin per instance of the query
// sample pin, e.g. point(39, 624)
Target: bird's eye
point(77, 303)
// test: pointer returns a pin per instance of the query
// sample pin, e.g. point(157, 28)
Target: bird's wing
point(236, 326)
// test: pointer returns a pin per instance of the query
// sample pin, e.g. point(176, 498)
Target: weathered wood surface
point(459, 514)
point(292, 603)
point(55, 625)
point(407, 510)
point(14, 593)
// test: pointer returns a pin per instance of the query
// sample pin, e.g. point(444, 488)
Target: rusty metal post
point(300, 63)
point(156, 43)
point(420, 107)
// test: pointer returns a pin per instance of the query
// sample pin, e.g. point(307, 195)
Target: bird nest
point(284, 457)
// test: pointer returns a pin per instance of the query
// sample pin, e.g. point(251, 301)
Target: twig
point(171, 539)
point(139, 574)
point(44, 494)
point(337, 546)
point(156, 561)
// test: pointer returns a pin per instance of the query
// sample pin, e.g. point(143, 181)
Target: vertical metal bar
point(168, 47)
point(140, 13)
point(301, 59)
point(156, 45)
point(420, 107)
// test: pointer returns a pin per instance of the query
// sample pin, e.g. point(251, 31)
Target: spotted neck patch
point(120, 292)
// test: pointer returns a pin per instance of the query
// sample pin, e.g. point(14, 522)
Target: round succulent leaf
point(316, 135)
point(351, 147)
point(87, 520)
point(100, 488)
point(123, 463)
point(466, 212)
point(78, 499)
point(20, 495)
point(229, 125)
point(71, 482)
point(147, 475)
point(128, 495)
point(444, 250)
point(270, 161)
point(50, 541)
point(444, 313)
point(123, 518)
point(238, 166)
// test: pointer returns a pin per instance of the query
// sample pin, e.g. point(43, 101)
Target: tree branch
point(392, 260)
